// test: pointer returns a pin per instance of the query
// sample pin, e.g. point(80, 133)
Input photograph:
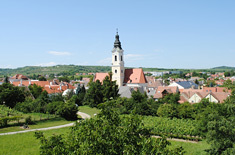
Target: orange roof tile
point(100, 76)
point(135, 75)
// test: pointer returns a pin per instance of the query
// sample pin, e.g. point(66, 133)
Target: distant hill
point(59, 69)
point(224, 68)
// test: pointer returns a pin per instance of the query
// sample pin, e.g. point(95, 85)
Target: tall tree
point(10, 95)
point(110, 89)
point(94, 95)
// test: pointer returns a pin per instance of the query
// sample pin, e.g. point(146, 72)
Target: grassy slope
point(88, 110)
point(41, 124)
point(24, 143)
point(191, 148)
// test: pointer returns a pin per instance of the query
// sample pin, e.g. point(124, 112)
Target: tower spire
point(117, 42)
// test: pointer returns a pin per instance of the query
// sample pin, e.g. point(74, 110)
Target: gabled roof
point(168, 89)
point(135, 75)
point(153, 83)
point(19, 76)
point(220, 96)
point(100, 76)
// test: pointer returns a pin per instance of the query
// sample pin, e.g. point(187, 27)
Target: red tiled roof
point(216, 89)
point(135, 75)
point(152, 82)
point(160, 89)
point(26, 83)
point(100, 76)
point(19, 76)
point(220, 96)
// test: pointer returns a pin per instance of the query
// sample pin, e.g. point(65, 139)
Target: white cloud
point(133, 57)
point(7, 66)
point(59, 53)
point(47, 64)
point(106, 61)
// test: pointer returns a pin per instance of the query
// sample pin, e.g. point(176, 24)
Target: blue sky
point(154, 33)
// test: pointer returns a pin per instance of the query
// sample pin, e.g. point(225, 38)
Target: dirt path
point(178, 140)
point(83, 115)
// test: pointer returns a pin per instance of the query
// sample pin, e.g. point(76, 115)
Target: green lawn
point(88, 110)
point(25, 143)
point(38, 124)
point(191, 148)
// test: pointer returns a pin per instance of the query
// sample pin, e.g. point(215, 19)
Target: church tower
point(117, 62)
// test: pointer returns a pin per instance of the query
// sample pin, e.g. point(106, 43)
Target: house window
point(121, 57)
point(115, 71)
point(115, 58)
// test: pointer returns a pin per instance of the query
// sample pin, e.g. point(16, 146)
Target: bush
point(28, 120)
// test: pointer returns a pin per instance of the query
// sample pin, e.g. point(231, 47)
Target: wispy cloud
point(47, 64)
point(106, 61)
point(6, 66)
point(133, 57)
point(59, 53)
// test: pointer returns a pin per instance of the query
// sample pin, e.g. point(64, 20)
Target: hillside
point(224, 68)
point(59, 69)
point(73, 69)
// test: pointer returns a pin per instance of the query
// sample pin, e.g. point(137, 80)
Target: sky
point(190, 34)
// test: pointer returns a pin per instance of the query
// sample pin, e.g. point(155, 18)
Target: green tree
point(35, 90)
point(42, 78)
point(107, 133)
point(94, 95)
point(10, 95)
point(110, 89)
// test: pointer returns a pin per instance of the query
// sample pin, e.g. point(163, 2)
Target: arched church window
point(115, 71)
point(115, 58)
point(121, 57)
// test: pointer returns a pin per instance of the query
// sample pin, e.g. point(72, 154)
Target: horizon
point(154, 34)
point(125, 67)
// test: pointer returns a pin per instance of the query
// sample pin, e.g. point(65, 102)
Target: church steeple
point(117, 42)
point(118, 62)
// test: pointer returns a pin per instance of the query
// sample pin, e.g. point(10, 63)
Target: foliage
point(67, 110)
point(110, 89)
point(42, 78)
point(10, 95)
point(28, 120)
point(8, 115)
point(94, 95)
point(178, 127)
point(35, 90)
point(107, 134)
point(167, 110)
point(64, 79)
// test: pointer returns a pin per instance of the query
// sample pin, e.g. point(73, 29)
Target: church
point(126, 79)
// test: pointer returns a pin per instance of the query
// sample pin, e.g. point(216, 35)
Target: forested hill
point(71, 69)
point(224, 67)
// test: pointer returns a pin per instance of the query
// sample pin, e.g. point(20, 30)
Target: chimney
point(50, 83)
point(60, 87)
point(29, 82)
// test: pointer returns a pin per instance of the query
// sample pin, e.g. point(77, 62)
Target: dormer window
point(115, 58)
